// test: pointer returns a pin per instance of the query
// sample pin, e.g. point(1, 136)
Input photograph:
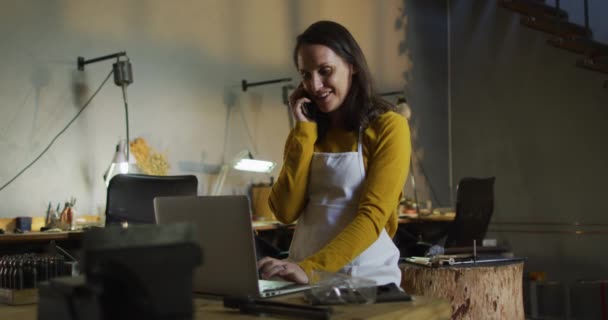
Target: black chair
point(130, 197)
point(474, 208)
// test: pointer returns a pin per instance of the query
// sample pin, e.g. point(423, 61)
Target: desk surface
point(208, 309)
point(434, 217)
point(40, 236)
point(257, 225)
point(403, 219)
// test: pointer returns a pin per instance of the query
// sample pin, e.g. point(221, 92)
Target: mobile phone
point(310, 110)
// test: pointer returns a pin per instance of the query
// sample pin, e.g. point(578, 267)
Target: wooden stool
point(476, 291)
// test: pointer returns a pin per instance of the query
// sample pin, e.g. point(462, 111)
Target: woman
point(345, 164)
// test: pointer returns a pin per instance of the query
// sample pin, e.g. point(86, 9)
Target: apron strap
point(360, 151)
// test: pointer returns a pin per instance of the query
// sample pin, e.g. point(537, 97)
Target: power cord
point(60, 133)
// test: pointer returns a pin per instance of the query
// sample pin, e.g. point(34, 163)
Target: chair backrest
point(130, 197)
point(474, 208)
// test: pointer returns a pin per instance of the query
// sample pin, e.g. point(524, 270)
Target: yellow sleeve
point(288, 194)
point(388, 163)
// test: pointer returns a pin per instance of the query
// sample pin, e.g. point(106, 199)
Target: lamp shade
point(243, 161)
point(119, 163)
point(254, 165)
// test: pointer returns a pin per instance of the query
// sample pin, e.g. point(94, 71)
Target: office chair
point(130, 197)
point(474, 208)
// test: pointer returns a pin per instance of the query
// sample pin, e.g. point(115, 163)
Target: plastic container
point(24, 223)
point(337, 288)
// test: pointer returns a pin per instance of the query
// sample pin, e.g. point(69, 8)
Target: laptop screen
point(225, 235)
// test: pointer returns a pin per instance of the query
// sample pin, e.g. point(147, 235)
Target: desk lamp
point(243, 161)
point(123, 76)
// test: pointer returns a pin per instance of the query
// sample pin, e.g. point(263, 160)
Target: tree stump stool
point(475, 291)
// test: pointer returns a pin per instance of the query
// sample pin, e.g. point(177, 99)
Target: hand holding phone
point(310, 110)
point(301, 105)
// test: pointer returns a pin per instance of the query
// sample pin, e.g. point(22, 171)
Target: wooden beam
point(557, 27)
point(588, 47)
point(533, 8)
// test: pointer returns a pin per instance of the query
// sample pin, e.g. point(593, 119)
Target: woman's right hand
point(297, 99)
point(290, 271)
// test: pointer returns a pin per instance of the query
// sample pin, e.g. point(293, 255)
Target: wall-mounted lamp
point(123, 76)
point(284, 92)
point(243, 161)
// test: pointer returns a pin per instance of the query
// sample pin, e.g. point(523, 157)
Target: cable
point(124, 97)
point(60, 133)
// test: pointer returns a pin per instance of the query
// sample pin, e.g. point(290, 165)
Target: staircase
point(538, 15)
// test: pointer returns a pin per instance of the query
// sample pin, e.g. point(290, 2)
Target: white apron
point(334, 190)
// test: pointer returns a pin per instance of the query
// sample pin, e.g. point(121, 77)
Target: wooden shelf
point(40, 236)
point(556, 27)
point(533, 8)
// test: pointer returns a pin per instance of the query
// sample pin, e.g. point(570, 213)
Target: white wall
point(188, 58)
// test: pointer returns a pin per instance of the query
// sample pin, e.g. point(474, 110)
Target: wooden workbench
point(210, 309)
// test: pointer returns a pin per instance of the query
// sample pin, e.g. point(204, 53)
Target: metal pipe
point(449, 93)
point(246, 85)
point(124, 98)
point(390, 93)
point(82, 62)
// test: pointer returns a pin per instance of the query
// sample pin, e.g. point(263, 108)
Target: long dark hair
point(362, 104)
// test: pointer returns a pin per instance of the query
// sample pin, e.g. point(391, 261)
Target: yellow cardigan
point(386, 156)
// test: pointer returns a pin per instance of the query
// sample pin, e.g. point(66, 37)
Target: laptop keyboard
point(271, 285)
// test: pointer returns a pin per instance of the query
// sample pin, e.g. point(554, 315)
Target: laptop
point(225, 234)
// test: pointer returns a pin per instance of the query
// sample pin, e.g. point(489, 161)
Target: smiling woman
point(344, 168)
point(326, 76)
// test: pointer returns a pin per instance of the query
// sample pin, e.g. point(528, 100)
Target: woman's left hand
point(270, 267)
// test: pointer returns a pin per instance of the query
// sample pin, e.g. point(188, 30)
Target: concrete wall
point(427, 93)
point(189, 58)
point(523, 112)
